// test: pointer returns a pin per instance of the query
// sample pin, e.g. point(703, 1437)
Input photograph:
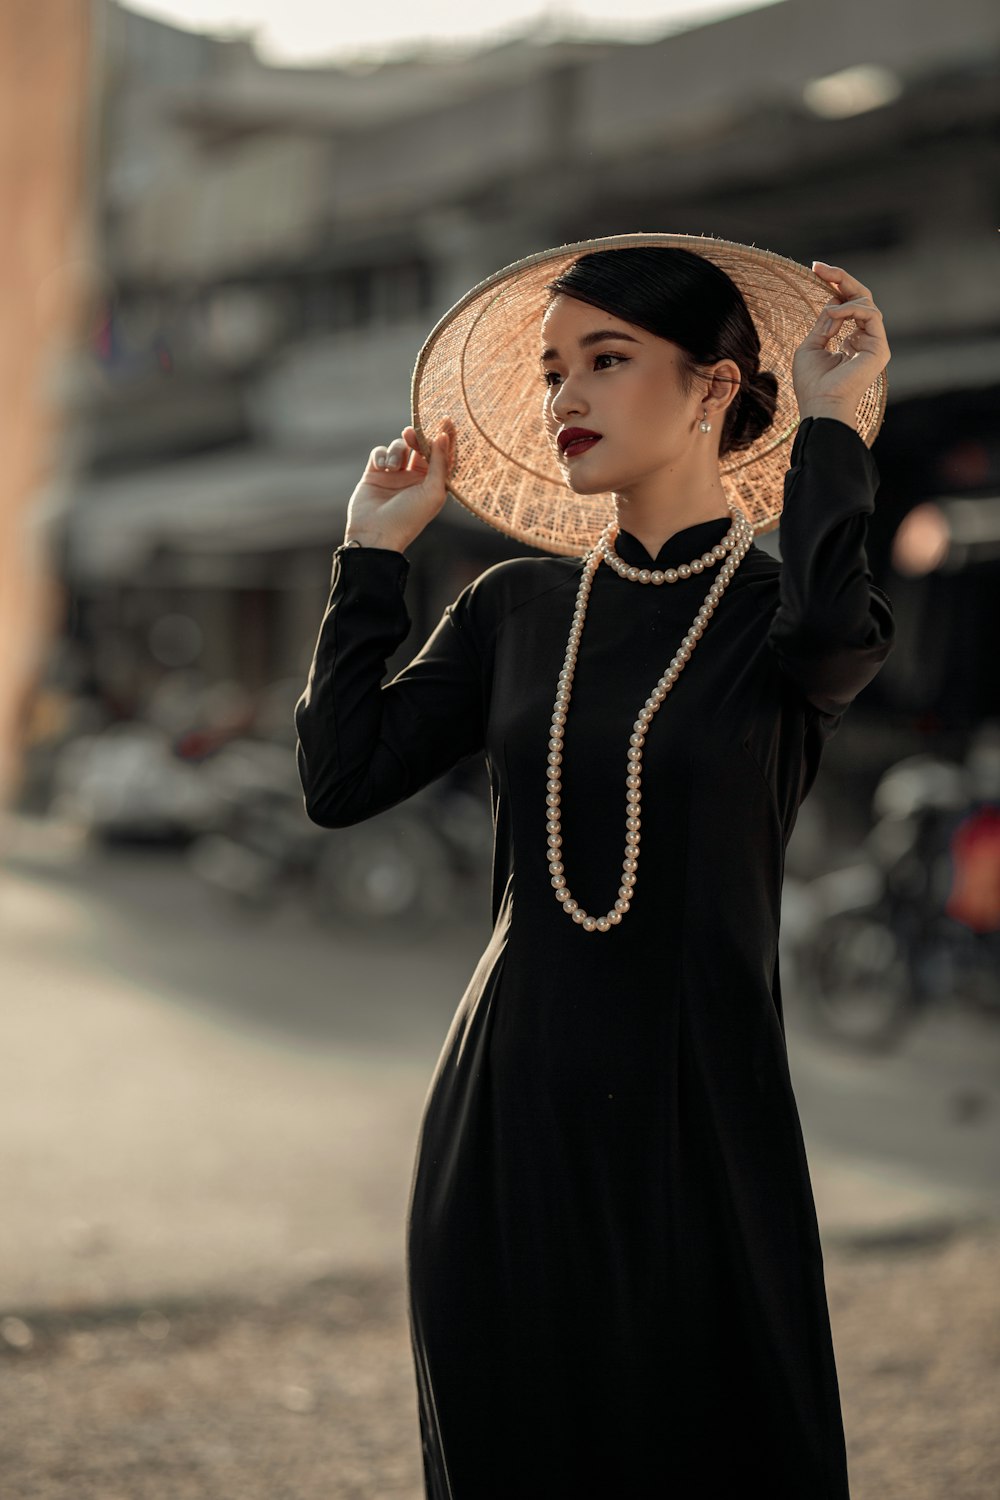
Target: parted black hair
point(689, 300)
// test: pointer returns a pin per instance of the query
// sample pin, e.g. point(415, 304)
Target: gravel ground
point(308, 1394)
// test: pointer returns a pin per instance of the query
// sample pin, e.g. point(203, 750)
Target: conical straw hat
point(479, 366)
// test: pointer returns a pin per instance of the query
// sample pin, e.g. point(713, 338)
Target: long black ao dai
point(615, 1273)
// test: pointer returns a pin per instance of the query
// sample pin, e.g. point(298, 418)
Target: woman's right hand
point(401, 491)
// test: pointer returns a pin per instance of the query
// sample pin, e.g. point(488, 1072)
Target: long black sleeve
point(833, 628)
point(363, 747)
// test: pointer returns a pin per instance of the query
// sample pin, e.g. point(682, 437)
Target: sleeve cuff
point(828, 440)
point(370, 562)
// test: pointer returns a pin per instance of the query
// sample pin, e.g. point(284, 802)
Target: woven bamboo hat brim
point(479, 366)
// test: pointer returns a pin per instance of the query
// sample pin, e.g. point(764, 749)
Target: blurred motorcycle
point(916, 920)
point(404, 871)
point(126, 785)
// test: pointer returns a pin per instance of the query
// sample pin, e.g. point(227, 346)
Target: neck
point(681, 494)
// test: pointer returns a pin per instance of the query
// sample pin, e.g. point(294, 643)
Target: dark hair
point(689, 300)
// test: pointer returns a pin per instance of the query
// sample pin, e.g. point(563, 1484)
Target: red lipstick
point(574, 440)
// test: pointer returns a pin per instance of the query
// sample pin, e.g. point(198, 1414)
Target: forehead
point(569, 325)
point(575, 315)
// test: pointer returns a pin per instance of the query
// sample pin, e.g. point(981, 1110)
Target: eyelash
point(605, 354)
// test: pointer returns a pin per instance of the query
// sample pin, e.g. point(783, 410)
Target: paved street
point(197, 1098)
point(194, 1099)
point(207, 1127)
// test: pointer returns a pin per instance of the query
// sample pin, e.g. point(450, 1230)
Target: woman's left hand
point(831, 382)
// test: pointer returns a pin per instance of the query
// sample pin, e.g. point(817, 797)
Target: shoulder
point(758, 576)
point(513, 584)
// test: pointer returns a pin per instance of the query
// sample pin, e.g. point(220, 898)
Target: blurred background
point(228, 229)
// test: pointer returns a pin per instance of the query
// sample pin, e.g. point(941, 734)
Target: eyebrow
point(592, 338)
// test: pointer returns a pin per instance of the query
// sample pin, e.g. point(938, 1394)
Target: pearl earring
point(705, 425)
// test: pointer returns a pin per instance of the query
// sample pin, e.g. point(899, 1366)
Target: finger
point(865, 315)
point(446, 428)
point(390, 457)
point(849, 285)
point(823, 331)
point(855, 293)
point(437, 459)
point(417, 458)
point(397, 452)
point(864, 303)
point(411, 436)
point(450, 433)
point(446, 442)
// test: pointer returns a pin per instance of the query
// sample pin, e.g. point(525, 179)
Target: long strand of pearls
point(737, 542)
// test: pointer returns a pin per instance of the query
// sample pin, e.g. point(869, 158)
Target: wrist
point(839, 413)
point(361, 539)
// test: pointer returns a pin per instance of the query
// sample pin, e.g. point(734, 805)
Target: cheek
point(640, 417)
point(656, 396)
point(637, 399)
point(658, 414)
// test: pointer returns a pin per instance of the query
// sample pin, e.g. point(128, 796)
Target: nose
point(566, 402)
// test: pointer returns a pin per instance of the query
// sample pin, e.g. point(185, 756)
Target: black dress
point(615, 1274)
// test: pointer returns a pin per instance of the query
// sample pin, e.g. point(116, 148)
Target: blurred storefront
point(277, 243)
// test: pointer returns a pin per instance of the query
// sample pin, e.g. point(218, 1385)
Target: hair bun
point(754, 409)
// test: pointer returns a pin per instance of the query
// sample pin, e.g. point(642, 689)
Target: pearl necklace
point(667, 575)
point(737, 540)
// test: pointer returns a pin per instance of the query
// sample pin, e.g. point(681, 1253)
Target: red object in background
point(966, 463)
point(974, 899)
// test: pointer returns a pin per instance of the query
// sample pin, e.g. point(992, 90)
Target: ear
point(723, 384)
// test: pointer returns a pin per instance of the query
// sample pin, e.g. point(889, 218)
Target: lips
point(574, 440)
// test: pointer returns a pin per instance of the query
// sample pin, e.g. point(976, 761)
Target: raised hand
point(401, 491)
point(832, 383)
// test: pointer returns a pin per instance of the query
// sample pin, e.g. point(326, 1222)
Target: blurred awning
point(233, 501)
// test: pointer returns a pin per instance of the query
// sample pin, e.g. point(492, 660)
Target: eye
point(605, 354)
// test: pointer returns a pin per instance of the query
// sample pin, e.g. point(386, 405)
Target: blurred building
point(278, 242)
point(45, 98)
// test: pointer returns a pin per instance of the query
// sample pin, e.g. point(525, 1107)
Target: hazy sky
point(303, 31)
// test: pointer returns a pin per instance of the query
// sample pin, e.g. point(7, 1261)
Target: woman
point(616, 1282)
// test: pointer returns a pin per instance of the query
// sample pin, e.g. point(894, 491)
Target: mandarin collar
point(688, 543)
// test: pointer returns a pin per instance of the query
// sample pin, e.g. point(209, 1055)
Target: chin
point(590, 484)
